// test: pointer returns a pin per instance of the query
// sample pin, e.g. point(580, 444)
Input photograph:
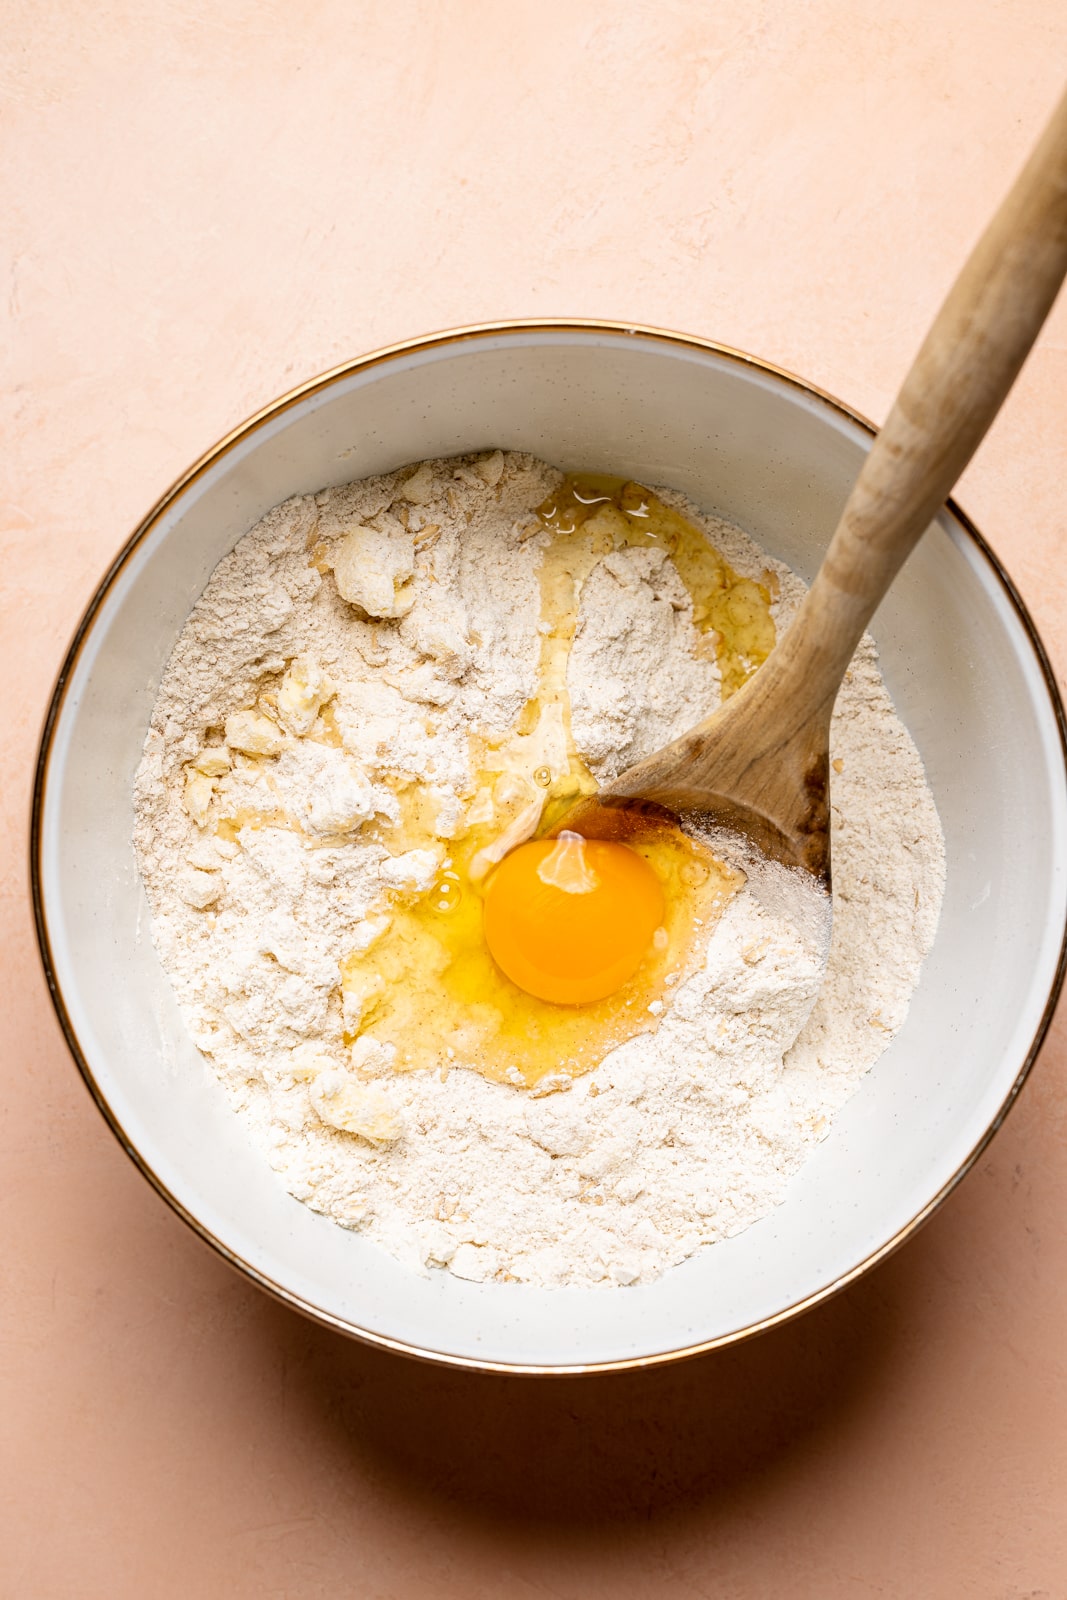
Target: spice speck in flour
point(391, 689)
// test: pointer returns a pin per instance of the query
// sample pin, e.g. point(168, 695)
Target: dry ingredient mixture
point(383, 688)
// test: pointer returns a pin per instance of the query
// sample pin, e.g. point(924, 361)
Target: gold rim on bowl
point(81, 633)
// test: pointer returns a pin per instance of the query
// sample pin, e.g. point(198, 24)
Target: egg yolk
point(571, 919)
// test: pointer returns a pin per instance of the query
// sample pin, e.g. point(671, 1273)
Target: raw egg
point(571, 919)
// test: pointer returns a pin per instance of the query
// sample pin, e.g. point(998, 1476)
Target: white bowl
point(962, 662)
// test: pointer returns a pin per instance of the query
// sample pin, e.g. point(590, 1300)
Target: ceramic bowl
point(962, 662)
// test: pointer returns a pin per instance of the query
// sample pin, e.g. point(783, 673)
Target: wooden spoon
point(760, 764)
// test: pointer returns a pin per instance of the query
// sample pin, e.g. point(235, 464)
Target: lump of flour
point(373, 566)
point(634, 676)
point(363, 642)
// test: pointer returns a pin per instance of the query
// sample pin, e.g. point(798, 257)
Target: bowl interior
point(959, 661)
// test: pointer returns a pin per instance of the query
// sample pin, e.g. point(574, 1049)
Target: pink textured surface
point(206, 204)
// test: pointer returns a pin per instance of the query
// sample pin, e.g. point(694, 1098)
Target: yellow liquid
point(229, 828)
point(734, 612)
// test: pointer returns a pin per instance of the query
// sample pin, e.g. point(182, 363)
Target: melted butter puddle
point(428, 984)
point(229, 827)
point(732, 612)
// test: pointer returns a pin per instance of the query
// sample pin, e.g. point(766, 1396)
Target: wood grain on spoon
point(760, 764)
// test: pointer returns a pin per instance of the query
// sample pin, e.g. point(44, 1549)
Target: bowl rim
point(274, 409)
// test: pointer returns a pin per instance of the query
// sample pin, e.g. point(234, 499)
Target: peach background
point(209, 202)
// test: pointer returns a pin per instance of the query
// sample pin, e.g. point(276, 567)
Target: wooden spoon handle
point(956, 386)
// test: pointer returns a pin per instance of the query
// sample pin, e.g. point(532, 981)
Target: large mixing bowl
point(962, 662)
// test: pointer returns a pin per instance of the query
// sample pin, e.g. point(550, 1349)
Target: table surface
point(210, 202)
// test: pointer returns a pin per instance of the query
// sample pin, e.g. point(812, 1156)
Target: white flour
point(678, 1138)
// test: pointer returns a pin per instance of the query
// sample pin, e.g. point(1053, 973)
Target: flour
point(346, 648)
